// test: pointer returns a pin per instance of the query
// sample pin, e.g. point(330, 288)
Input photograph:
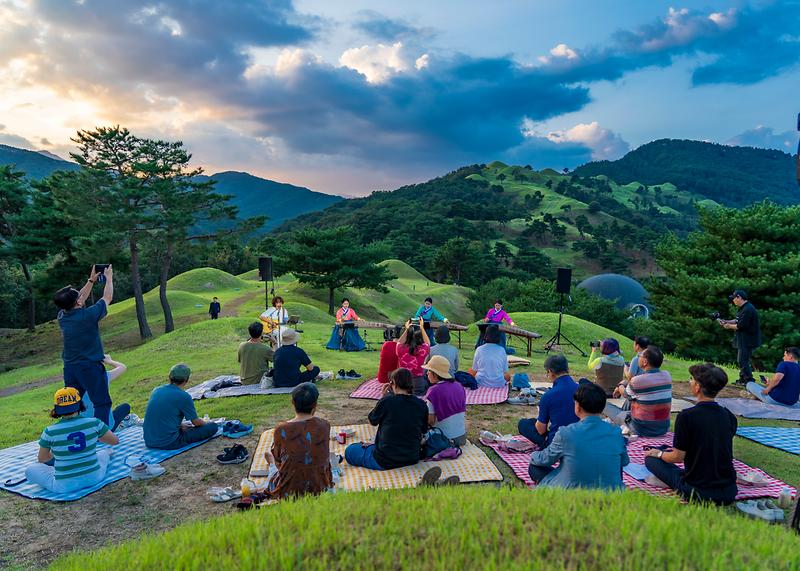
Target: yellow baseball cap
point(67, 400)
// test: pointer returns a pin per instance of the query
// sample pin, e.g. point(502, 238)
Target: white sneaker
point(130, 420)
point(770, 507)
point(754, 510)
point(146, 471)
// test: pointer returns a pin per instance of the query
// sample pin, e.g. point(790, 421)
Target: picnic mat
point(752, 408)
point(14, 460)
point(472, 466)
point(371, 389)
point(208, 389)
point(786, 439)
point(518, 462)
point(677, 404)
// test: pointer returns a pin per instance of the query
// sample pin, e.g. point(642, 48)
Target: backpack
point(436, 442)
point(466, 380)
point(521, 381)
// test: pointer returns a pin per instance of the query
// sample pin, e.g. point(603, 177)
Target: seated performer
point(402, 420)
point(344, 336)
point(557, 406)
point(784, 387)
point(274, 319)
point(388, 361)
point(490, 364)
point(609, 367)
point(495, 315)
point(703, 442)
point(591, 453)
point(428, 313)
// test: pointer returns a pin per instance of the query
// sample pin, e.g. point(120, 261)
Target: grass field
point(27, 528)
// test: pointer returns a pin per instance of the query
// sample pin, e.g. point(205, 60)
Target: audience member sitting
point(591, 453)
point(300, 454)
point(703, 443)
point(609, 366)
point(288, 360)
point(556, 407)
point(447, 400)
point(387, 362)
point(413, 349)
point(254, 356)
point(71, 445)
point(445, 349)
point(402, 420)
point(648, 397)
point(784, 387)
point(167, 408)
point(490, 364)
point(640, 343)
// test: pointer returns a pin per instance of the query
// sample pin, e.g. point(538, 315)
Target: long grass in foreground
point(464, 527)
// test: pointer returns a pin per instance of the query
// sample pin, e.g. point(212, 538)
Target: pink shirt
point(413, 362)
point(497, 317)
point(351, 315)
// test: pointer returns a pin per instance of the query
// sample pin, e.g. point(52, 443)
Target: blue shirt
point(288, 360)
point(788, 390)
point(557, 406)
point(634, 366)
point(80, 331)
point(591, 455)
point(166, 409)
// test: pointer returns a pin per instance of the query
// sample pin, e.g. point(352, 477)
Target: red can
point(342, 439)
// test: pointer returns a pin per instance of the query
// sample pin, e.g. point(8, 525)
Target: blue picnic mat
point(786, 439)
point(14, 460)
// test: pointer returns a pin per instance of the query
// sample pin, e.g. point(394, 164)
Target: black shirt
point(748, 330)
point(705, 432)
point(401, 422)
point(214, 308)
point(288, 360)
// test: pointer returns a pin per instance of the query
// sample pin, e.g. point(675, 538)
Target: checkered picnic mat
point(472, 466)
point(786, 439)
point(518, 462)
point(371, 389)
point(14, 460)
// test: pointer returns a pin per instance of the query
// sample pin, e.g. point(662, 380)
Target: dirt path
point(8, 391)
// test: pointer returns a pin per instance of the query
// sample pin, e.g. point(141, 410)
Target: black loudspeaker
point(265, 269)
point(563, 280)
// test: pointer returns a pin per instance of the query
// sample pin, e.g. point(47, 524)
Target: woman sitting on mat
point(447, 401)
point(490, 364)
point(387, 361)
point(413, 349)
point(300, 455)
point(72, 444)
point(344, 336)
point(445, 349)
point(402, 420)
point(609, 366)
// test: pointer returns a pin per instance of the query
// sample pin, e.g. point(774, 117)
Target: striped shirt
point(651, 397)
point(73, 442)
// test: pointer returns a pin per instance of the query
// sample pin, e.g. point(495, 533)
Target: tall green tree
point(331, 259)
point(755, 249)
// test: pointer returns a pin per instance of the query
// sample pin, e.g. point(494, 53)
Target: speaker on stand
point(563, 285)
point(265, 274)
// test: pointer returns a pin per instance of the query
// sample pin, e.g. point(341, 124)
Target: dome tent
point(627, 292)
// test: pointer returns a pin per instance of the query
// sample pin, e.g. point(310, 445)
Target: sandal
point(225, 495)
point(431, 476)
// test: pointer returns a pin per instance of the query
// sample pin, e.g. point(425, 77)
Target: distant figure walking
point(214, 308)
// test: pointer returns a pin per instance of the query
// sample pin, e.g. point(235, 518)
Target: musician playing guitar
point(428, 313)
point(275, 316)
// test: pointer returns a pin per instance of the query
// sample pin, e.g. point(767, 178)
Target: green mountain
point(35, 164)
point(732, 176)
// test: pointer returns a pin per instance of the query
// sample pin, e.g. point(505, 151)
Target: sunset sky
point(350, 96)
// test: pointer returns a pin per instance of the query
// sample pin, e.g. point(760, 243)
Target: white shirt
point(490, 362)
point(279, 315)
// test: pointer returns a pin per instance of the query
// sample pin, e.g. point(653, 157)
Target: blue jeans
point(758, 391)
point(527, 428)
point(91, 377)
point(360, 455)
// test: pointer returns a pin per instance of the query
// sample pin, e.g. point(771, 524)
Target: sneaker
point(340, 374)
point(235, 429)
point(146, 471)
point(235, 455)
point(351, 374)
point(769, 506)
point(752, 478)
point(752, 509)
point(431, 476)
point(450, 481)
point(523, 399)
point(130, 420)
point(324, 376)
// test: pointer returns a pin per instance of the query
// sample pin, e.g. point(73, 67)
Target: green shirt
point(73, 442)
point(254, 361)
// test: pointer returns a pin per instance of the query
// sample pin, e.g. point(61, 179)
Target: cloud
point(570, 147)
point(604, 144)
point(376, 63)
point(385, 29)
point(766, 138)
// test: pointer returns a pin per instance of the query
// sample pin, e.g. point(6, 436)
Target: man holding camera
point(82, 350)
point(748, 334)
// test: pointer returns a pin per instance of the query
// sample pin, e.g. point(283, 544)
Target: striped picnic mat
point(14, 460)
point(371, 389)
point(518, 462)
point(472, 466)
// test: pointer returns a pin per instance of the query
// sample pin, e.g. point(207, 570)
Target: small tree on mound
point(330, 258)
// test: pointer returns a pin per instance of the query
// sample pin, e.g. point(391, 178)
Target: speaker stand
point(559, 337)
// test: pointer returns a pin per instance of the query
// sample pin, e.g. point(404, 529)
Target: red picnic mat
point(371, 389)
point(518, 462)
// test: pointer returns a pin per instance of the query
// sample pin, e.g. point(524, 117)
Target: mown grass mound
point(464, 527)
point(205, 280)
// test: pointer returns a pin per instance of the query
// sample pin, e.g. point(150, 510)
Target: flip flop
point(450, 481)
point(226, 495)
point(11, 482)
point(431, 476)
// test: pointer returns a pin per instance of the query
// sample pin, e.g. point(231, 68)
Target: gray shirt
point(449, 352)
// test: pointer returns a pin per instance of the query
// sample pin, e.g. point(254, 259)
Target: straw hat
point(440, 366)
point(289, 337)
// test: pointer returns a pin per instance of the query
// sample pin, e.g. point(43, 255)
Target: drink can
point(342, 438)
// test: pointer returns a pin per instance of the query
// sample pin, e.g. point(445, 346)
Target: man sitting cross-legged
point(168, 406)
point(300, 455)
point(254, 356)
point(703, 442)
point(648, 397)
point(288, 360)
point(556, 408)
point(783, 388)
point(402, 420)
point(591, 453)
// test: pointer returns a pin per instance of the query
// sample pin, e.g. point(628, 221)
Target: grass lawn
point(465, 527)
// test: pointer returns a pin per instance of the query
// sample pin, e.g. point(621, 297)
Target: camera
point(714, 315)
point(100, 270)
point(595, 344)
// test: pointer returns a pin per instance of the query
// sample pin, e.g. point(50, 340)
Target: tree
point(595, 207)
point(15, 196)
point(533, 262)
point(582, 224)
point(461, 261)
point(329, 258)
point(502, 252)
point(566, 207)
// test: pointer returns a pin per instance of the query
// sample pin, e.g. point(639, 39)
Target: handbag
point(436, 442)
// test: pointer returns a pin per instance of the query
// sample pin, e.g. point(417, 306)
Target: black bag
point(435, 442)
